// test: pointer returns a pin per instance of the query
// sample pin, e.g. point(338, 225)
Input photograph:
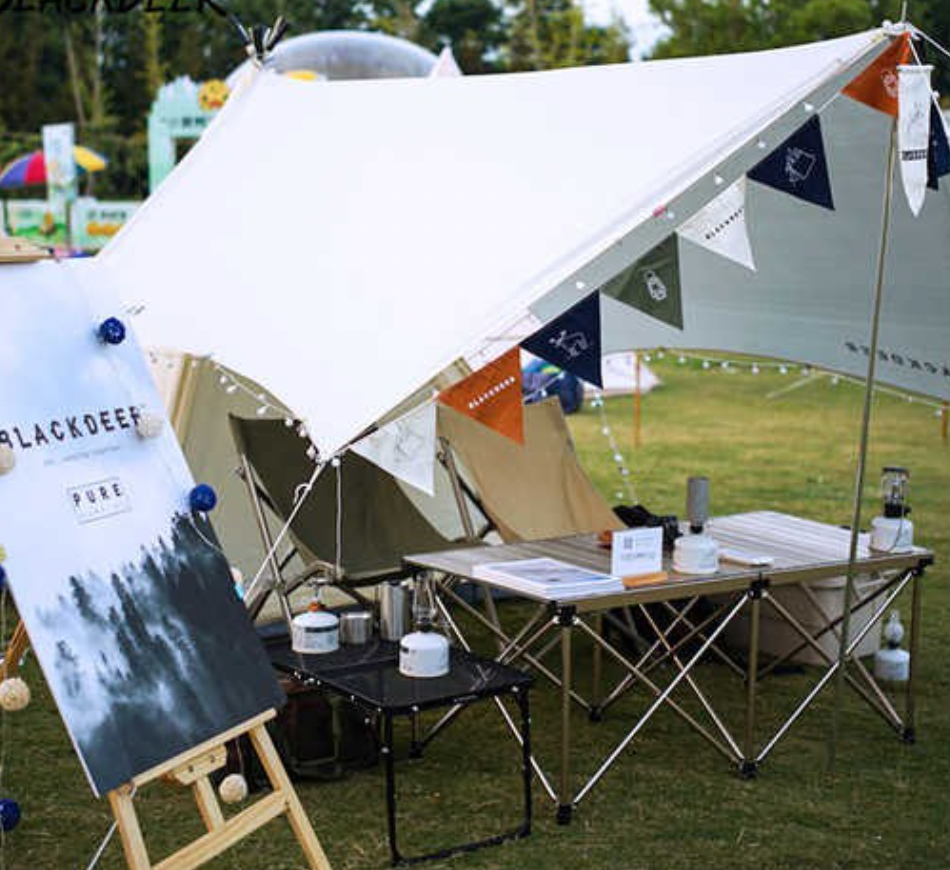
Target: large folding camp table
point(801, 551)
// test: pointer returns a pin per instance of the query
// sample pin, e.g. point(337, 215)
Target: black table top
point(369, 673)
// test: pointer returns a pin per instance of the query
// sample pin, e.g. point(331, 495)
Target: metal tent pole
point(863, 448)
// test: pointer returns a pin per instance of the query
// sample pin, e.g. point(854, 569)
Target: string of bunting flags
point(798, 167)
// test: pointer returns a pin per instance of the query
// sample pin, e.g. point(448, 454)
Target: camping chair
point(529, 492)
point(379, 522)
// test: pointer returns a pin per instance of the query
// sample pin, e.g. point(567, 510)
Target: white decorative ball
point(14, 694)
point(7, 459)
point(233, 788)
point(150, 425)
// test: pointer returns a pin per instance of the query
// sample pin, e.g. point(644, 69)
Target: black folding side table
point(368, 675)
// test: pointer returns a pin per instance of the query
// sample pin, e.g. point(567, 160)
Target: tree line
point(102, 69)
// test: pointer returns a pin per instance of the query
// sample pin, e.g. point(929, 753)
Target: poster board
point(127, 599)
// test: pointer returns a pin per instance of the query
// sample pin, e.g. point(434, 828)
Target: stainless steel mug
point(356, 627)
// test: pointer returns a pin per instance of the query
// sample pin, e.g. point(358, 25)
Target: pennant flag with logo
point(798, 166)
point(492, 396)
point(938, 155)
point(720, 226)
point(572, 341)
point(652, 284)
point(877, 86)
point(913, 131)
point(405, 448)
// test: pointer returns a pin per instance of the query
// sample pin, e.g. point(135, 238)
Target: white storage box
point(777, 637)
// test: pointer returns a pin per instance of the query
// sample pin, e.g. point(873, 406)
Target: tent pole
point(863, 447)
point(637, 408)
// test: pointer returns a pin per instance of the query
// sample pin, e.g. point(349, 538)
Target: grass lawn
point(673, 802)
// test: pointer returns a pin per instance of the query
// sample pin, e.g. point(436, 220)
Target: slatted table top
point(801, 551)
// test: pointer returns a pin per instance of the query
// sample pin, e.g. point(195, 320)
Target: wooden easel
point(193, 768)
point(13, 250)
point(15, 651)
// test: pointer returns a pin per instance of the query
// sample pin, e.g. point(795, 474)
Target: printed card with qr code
point(636, 552)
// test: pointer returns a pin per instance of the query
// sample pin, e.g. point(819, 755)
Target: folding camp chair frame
point(277, 583)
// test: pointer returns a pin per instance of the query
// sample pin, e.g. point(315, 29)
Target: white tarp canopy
point(419, 219)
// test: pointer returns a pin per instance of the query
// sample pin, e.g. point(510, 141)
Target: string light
point(807, 371)
point(265, 403)
point(620, 463)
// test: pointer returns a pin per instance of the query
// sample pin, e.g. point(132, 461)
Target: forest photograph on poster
point(127, 599)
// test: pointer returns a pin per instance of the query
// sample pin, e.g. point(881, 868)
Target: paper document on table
point(550, 578)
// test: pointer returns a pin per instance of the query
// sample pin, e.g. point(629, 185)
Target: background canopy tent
point(560, 181)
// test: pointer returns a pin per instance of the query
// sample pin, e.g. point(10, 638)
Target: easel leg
point(296, 814)
point(208, 804)
point(136, 855)
point(14, 652)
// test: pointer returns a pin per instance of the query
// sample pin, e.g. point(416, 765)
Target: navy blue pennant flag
point(938, 158)
point(572, 341)
point(798, 166)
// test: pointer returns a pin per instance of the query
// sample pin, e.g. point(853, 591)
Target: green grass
point(673, 802)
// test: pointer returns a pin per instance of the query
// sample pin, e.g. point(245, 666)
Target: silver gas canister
point(316, 631)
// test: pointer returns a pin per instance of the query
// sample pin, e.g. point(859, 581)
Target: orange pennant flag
point(877, 85)
point(492, 396)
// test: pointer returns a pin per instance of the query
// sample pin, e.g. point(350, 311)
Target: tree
point(718, 26)
point(548, 34)
point(474, 28)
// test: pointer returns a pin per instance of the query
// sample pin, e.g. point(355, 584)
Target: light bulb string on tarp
point(232, 384)
point(619, 461)
point(709, 363)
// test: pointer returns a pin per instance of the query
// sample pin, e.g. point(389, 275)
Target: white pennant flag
point(720, 226)
point(405, 448)
point(446, 66)
point(913, 131)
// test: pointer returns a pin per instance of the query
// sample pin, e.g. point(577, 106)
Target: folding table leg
point(597, 666)
point(748, 766)
point(390, 763)
point(525, 709)
point(910, 733)
point(565, 618)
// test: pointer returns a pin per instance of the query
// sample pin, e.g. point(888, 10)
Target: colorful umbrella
point(31, 168)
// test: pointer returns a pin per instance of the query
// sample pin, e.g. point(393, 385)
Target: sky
point(644, 26)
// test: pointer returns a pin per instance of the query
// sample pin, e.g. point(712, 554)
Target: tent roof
point(417, 218)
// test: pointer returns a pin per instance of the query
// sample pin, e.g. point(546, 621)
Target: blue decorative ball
point(3, 578)
point(203, 498)
point(9, 814)
point(112, 331)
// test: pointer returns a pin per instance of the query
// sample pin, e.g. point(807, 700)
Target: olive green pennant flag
point(652, 284)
